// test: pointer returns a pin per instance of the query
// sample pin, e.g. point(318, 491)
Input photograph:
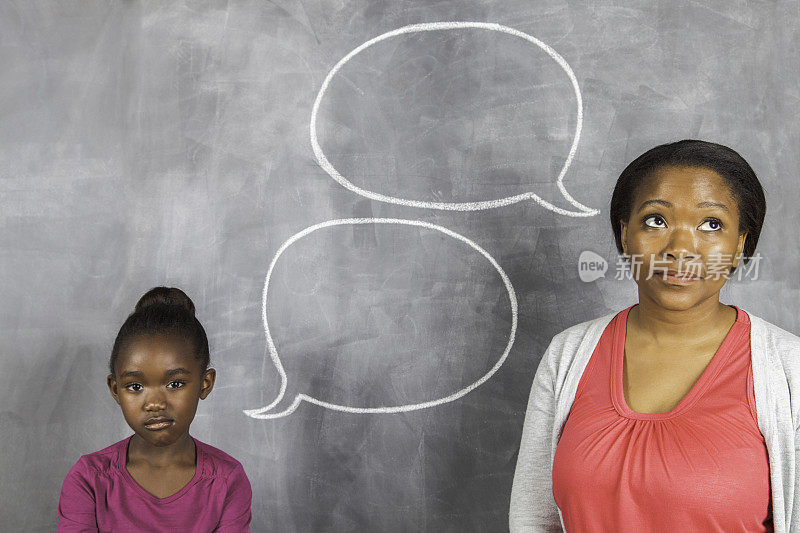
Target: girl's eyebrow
point(667, 204)
point(140, 374)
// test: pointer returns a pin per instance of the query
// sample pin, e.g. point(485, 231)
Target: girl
point(160, 478)
point(679, 413)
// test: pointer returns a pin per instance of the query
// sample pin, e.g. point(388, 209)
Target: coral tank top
point(702, 466)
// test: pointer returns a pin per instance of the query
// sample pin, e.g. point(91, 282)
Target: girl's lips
point(158, 425)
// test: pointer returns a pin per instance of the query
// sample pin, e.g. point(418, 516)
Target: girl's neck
point(181, 452)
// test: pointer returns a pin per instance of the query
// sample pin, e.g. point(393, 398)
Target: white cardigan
point(775, 355)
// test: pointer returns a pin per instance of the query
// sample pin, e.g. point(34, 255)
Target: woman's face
point(683, 219)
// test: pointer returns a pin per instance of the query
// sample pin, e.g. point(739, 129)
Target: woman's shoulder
point(774, 330)
point(583, 330)
point(776, 339)
point(574, 343)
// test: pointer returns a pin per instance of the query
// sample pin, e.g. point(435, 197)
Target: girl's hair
point(740, 178)
point(163, 311)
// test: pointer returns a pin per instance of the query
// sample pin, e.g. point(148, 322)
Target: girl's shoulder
point(102, 462)
point(217, 463)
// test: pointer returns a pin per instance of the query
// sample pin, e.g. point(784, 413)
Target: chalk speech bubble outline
point(457, 206)
point(261, 413)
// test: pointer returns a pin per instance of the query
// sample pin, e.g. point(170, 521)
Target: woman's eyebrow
point(667, 204)
point(713, 204)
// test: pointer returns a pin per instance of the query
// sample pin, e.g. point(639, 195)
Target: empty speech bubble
point(322, 159)
point(275, 410)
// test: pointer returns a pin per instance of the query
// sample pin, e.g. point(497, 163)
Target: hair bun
point(165, 296)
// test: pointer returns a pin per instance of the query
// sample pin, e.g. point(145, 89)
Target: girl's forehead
point(157, 352)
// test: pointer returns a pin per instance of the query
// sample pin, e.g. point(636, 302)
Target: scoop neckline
point(700, 386)
point(123, 461)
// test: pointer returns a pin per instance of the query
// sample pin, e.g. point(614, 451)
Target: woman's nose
point(681, 245)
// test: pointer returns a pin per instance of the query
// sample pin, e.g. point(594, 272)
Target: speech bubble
point(266, 412)
point(326, 165)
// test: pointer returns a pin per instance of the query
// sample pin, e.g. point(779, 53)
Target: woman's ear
point(623, 236)
point(208, 383)
point(112, 387)
point(739, 249)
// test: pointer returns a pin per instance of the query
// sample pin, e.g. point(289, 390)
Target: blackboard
point(171, 143)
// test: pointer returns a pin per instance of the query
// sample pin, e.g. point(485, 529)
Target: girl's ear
point(112, 387)
point(208, 382)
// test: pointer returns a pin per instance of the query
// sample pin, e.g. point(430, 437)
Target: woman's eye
point(656, 221)
point(716, 225)
point(655, 218)
point(133, 387)
point(175, 384)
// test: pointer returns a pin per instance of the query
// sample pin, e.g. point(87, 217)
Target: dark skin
point(675, 330)
point(158, 382)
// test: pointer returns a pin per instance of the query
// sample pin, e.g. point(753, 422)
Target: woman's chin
point(674, 300)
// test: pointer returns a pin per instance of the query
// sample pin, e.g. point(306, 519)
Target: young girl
point(160, 478)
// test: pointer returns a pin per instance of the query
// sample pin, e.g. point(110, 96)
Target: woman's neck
point(667, 327)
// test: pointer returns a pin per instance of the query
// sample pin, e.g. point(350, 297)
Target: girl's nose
point(155, 402)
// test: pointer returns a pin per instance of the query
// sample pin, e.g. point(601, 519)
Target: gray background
point(148, 143)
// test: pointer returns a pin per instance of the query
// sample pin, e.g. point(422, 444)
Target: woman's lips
point(679, 280)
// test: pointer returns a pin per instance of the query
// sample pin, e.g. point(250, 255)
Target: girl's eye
point(133, 387)
point(176, 384)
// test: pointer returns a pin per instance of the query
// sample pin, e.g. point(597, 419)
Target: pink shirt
point(702, 466)
point(99, 494)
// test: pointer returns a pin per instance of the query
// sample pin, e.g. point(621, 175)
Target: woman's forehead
point(681, 185)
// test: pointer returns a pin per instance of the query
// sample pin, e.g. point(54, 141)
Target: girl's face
point(157, 383)
point(683, 219)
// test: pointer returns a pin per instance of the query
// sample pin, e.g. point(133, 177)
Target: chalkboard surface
point(226, 148)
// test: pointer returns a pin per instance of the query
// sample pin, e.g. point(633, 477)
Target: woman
point(679, 412)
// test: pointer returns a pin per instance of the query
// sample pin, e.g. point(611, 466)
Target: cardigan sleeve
point(792, 494)
point(533, 508)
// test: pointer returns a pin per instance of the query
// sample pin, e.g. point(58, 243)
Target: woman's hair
point(163, 311)
point(738, 175)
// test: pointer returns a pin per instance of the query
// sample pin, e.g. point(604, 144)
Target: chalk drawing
point(264, 413)
point(457, 206)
